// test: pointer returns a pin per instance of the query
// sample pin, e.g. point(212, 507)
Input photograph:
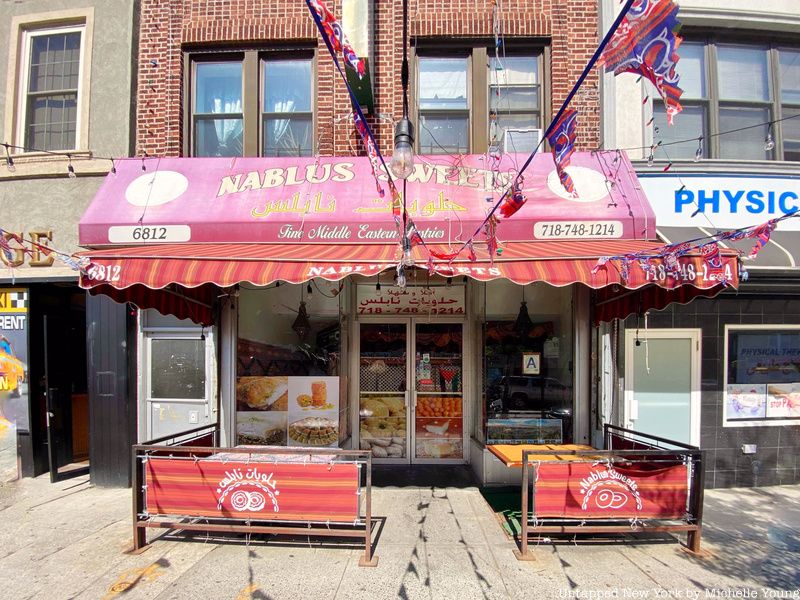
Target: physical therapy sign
point(724, 202)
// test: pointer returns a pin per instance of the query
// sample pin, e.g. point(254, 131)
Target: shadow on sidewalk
point(423, 476)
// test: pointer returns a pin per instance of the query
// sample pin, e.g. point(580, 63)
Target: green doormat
point(505, 502)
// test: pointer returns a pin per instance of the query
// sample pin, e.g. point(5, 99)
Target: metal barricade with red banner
point(193, 485)
point(637, 483)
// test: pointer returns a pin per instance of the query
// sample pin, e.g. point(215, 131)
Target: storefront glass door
point(438, 385)
point(662, 384)
point(383, 385)
point(411, 410)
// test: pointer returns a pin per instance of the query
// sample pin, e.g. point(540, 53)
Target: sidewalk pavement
point(67, 540)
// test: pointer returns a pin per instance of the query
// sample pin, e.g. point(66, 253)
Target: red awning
point(133, 273)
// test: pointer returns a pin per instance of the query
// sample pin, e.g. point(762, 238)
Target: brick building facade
point(169, 28)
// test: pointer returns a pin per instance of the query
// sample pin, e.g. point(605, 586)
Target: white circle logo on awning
point(590, 185)
point(154, 189)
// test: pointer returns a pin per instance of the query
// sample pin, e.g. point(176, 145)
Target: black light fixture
point(301, 325)
point(523, 323)
point(309, 291)
point(378, 285)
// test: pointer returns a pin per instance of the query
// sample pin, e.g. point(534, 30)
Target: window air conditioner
point(521, 140)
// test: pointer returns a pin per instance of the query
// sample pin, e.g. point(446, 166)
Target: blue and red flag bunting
point(339, 42)
point(513, 200)
point(334, 39)
point(562, 141)
point(372, 150)
point(646, 43)
point(762, 235)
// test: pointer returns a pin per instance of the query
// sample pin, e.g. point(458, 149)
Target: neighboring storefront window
point(288, 385)
point(762, 375)
point(13, 376)
point(527, 364)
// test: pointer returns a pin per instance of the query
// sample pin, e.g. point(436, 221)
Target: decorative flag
point(646, 43)
point(448, 256)
point(625, 268)
point(711, 256)
point(671, 265)
point(337, 37)
point(372, 150)
point(412, 233)
point(762, 235)
point(6, 247)
point(471, 252)
point(601, 264)
point(513, 200)
point(490, 228)
point(562, 140)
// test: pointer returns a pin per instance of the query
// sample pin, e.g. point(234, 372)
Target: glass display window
point(527, 364)
point(289, 388)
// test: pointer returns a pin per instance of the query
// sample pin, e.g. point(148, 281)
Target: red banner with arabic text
point(255, 490)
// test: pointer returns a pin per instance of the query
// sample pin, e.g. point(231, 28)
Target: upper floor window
point(246, 105)
point(514, 103)
point(50, 88)
point(735, 96)
point(470, 101)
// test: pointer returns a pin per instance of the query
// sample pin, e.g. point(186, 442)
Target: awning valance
point(187, 267)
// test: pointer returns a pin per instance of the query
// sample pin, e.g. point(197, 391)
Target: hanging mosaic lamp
point(302, 325)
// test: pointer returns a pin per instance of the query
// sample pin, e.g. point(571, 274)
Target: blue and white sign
point(721, 202)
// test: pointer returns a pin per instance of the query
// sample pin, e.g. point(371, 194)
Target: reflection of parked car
point(528, 392)
point(12, 370)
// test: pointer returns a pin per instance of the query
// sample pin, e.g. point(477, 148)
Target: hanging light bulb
point(70, 169)
point(401, 277)
point(402, 163)
point(769, 143)
point(650, 158)
point(698, 154)
point(408, 259)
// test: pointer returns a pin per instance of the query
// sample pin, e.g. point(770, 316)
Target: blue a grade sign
point(725, 202)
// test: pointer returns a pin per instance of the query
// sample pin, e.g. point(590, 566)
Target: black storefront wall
point(760, 301)
point(111, 370)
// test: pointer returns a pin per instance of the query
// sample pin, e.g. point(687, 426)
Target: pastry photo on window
point(262, 393)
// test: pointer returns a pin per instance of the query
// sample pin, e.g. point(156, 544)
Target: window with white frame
point(743, 99)
point(762, 375)
point(514, 103)
point(50, 91)
point(469, 101)
point(246, 105)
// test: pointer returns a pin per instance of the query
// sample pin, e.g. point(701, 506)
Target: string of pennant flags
point(81, 264)
point(669, 255)
point(643, 39)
